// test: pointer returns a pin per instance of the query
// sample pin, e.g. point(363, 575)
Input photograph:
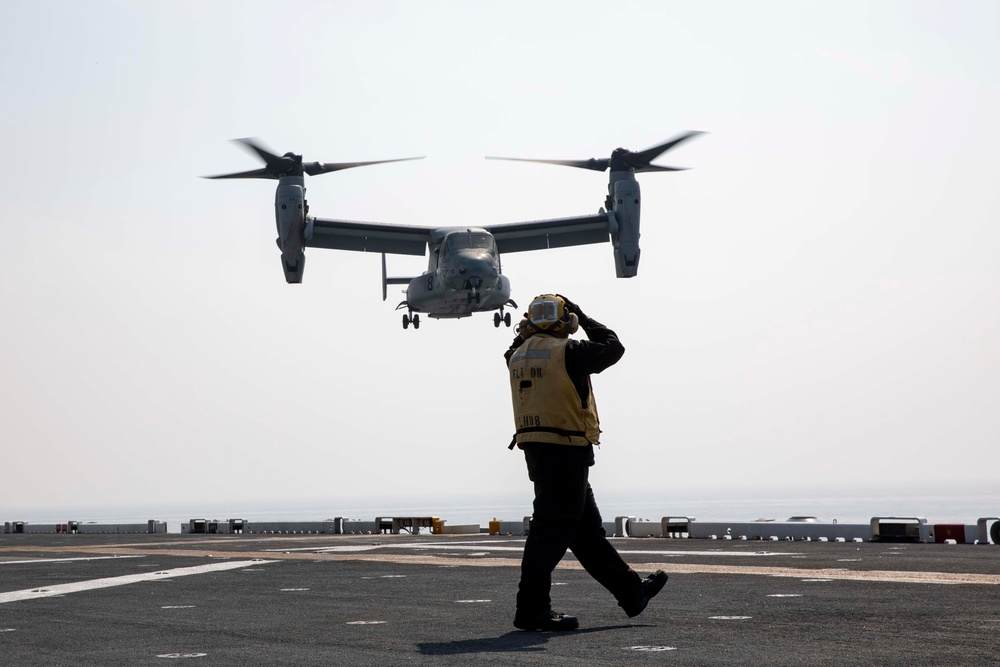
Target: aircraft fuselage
point(463, 275)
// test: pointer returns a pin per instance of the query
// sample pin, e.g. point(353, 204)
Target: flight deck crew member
point(557, 427)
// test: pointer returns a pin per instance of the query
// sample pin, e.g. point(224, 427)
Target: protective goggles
point(545, 312)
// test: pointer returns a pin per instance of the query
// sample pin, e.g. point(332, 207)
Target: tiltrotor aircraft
point(463, 271)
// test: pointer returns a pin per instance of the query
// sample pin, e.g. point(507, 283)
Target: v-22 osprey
point(463, 273)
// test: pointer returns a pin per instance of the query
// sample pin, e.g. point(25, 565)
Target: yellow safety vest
point(547, 406)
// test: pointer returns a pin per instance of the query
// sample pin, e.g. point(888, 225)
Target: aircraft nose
point(471, 270)
point(476, 266)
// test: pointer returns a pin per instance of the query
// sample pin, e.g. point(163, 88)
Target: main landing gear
point(501, 316)
point(409, 317)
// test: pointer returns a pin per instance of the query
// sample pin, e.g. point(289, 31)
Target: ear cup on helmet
point(574, 323)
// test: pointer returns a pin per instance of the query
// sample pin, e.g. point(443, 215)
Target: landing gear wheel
point(496, 320)
point(406, 322)
point(506, 319)
point(416, 321)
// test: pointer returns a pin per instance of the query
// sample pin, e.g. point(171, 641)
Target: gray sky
point(818, 300)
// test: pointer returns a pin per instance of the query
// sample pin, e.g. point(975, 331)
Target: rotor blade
point(263, 172)
point(263, 153)
point(317, 168)
point(593, 163)
point(646, 156)
point(656, 167)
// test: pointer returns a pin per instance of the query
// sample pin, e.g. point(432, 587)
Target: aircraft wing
point(558, 233)
point(367, 236)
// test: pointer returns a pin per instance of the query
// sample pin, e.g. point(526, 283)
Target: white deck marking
point(478, 550)
point(342, 549)
point(61, 560)
point(62, 589)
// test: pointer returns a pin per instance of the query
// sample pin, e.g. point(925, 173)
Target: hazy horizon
point(952, 501)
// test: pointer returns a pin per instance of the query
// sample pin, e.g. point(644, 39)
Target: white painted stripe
point(62, 589)
point(61, 560)
point(372, 547)
point(485, 546)
point(751, 554)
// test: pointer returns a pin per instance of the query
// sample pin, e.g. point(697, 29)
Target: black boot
point(649, 587)
point(545, 620)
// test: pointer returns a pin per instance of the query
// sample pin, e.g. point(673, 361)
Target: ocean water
point(938, 502)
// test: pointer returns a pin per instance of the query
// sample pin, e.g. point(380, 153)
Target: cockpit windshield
point(464, 241)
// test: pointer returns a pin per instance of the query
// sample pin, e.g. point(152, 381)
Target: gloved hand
point(573, 308)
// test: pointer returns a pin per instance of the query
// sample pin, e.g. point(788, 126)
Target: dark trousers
point(566, 517)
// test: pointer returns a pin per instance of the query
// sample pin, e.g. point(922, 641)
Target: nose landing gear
point(407, 319)
point(498, 318)
point(474, 284)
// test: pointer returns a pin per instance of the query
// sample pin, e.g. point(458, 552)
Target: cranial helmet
point(547, 314)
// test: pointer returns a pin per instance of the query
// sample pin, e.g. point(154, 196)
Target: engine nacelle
point(625, 205)
point(289, 215)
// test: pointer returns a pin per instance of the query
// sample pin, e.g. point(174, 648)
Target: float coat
point(547, 406)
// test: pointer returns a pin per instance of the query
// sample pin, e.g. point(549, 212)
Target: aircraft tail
point(386, 281)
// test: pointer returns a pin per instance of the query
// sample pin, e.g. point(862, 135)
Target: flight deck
point(438, 599)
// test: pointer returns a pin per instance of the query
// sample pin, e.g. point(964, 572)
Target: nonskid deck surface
point(439, 599)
